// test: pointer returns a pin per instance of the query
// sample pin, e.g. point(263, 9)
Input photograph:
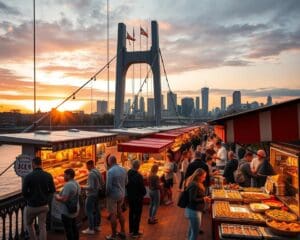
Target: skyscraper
point(150, 107)
point(269, 100)
point(142, 104)
point(101, 107)
point(223, 104)
point(172, 103)
point(204, 95)
point(135, 104)
point(236, 100)
point(187, 106)
point(162, 103)
point(197, 103)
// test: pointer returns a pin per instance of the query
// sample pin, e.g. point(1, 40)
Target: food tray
point(228, 195)
point(239, 231)
point(281, 215)
point(269, 235)
point(283, 232)
point(254, 196)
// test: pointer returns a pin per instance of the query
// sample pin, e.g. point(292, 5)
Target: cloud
point(8, 10)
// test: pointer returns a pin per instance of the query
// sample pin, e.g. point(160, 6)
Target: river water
point(9, 181)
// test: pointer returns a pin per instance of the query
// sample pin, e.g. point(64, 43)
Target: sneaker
point(110, 237)
point(88, 231)
point(136, 235)
point(151, 221)
point(121, 235)
point(98, 229)
point(200, 231)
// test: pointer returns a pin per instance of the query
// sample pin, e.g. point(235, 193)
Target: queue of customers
point(198, 165)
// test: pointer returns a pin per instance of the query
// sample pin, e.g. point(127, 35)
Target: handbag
point(183, 199)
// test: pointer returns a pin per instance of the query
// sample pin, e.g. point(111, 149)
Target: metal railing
point(12, 216)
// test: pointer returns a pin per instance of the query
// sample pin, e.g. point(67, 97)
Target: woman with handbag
point(196, 201)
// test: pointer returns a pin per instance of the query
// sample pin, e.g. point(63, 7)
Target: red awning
point(279, 122)
point(145, 145)
point(166, 135)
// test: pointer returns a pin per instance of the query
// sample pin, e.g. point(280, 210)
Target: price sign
point(23, 165)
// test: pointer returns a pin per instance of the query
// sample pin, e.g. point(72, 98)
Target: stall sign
point(23, 165)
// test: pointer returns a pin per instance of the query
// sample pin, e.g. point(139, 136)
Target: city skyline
point(249, 46)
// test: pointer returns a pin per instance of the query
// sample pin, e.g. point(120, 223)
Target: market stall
point(58, 151)
point(149, 151)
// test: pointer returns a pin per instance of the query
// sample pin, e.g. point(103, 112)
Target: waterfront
point(9, 181)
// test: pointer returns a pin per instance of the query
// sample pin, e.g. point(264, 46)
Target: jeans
point(181, 180)
point(154, 202)
point(194, 223)
point(93, 211)
point(71, 230)
point(30, 214)
point(135, 213)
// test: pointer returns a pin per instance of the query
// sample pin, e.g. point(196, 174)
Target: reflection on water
point(9, 181)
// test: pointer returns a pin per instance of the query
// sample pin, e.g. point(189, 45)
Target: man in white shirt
point(255, 164)
point(221, 156)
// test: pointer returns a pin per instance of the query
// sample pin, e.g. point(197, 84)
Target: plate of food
point(283, 228)
point(281, 215)
point(273, 203)
point(259, 207)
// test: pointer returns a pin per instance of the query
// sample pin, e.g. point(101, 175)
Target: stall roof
point(278, 122)
point(145, 145)
point(166, 135)
point(58, 140)
point(133, 131)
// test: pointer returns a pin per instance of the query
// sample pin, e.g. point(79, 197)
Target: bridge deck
point(172, 225)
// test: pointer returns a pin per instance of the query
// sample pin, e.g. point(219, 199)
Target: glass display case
point(285, 160)
point(57, 162)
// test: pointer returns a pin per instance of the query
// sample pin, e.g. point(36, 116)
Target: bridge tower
point(125, 59)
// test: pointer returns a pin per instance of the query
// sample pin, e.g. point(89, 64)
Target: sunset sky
point(226, 45)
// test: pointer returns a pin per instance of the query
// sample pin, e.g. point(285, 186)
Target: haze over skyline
point(251, 45)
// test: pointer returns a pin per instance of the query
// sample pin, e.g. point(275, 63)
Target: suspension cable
point(139, 91)
point(35, 124)
point(167, 80)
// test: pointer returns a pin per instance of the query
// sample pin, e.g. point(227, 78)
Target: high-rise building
point(269, 100)
point(150, 107)
point(172, 103)
point(162, 103)
point(127, 106)
point(236, 100)
point(187, 106)
point(135, 104)
point(223, 104)
point(142, 104)
point(197, 104)
point(204, 95)
point(101, 107)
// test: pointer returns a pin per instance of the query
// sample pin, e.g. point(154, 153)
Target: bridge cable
point(169, 87)
point(72, 95)
point(139, 91)
point(35, 124)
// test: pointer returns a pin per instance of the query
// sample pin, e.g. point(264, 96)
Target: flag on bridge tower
point(143, 32)
point(129, 37)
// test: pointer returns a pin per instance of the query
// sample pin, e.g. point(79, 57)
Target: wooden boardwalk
point(172, 225)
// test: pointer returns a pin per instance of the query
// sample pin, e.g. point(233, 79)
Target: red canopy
point(279, 122)
point(145, 145)
point(166, 135)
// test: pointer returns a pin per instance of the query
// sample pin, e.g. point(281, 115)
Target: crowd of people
point(199, 163)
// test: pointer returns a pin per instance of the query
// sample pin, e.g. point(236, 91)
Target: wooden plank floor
point(172, 225)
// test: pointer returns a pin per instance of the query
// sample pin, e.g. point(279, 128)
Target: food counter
point(60, 150)
point(285, 160)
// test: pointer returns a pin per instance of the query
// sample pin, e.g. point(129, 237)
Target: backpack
point(238, 174)
point(175, 167)
point(102, 189)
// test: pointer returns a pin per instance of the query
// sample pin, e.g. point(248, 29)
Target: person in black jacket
point(196, 201)
point(135, 193)
point(37, 189)
point(230, 167)
point(198, 162)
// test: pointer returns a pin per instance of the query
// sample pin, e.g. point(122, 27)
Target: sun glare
point(46, 106)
